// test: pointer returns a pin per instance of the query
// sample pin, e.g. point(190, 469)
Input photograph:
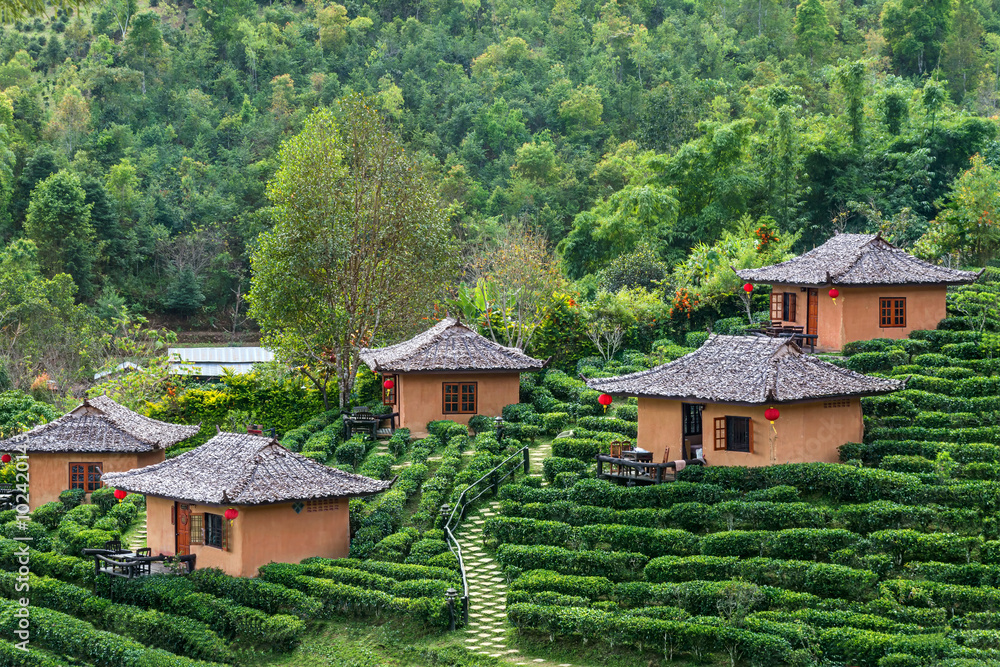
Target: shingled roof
point(753, 370)
point(101, 425)
point(857, 259)
point(242, 469)
point(448, 346)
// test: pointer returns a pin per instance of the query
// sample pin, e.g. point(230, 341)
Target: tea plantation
point(890, 558)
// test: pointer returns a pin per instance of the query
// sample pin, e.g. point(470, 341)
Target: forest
point(646, 145)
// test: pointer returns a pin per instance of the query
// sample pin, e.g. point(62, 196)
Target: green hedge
point(61, 633)
point(671, 637)
point(619, 565)
point(174, 595)
point(554, 465)
point(626, 428)
point(173, 633)
point(576, 448)
point(839, 482)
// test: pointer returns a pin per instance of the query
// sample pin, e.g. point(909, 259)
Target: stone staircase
point(138, 540)
point(488, 631)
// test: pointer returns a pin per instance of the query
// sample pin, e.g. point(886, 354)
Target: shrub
point(49, 514)
point(103, 498)
point(695, 339)
point(554, 465)
point(911, 464)
point(72, 497)
point(620, 565)
point(870, 362)
point(352, 452)
point(554, 423)
point(425, 549)
point(629, 413)
point(563, 386)
point(576, 448)
point(482, 424)
point(629, 429)
point(520, 412)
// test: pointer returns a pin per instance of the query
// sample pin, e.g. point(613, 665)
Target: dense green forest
point(646, 138)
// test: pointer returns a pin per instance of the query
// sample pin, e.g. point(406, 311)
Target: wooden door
point(183, 525)
point(691, 429)
point(812, 314)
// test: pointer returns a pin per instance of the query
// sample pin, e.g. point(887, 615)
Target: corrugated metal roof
point(222, 355)
point(211, 361)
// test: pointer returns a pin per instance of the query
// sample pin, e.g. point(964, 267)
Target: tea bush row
point(176, 634)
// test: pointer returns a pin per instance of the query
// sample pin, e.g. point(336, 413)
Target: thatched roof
point(101, 425)
point(860, 260)
point(448, 346)
point(752, 370)
point(242, 469)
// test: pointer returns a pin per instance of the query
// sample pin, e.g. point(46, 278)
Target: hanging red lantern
point(605, 400)
point(748, 288)
point(231, 514)
point(389, 384)
point(5, 458)
point(120, 494)
point(771, 414)
point(834, 293)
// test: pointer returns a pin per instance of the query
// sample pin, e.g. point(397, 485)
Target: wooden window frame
point(209, 531)
point(197, 537)
point(394, 395)
point(86, 484)
point(691, 414)
point(460, 402)
point(776, 302)
point(889, 307)
point(722, 434)
point(788, 310)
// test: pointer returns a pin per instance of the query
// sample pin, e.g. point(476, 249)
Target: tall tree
point(963, 56)
point(916, 32)
point(59, 223)
point(360, 248)
point(813, 33)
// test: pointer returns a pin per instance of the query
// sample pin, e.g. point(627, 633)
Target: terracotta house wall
point(421, 397)
point(49, 471)
point(805, 432)
point(925, 308)
point(259, 535)
point(855, 315)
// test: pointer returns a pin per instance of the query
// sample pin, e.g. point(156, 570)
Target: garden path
point(488, 630)
point(138, 539)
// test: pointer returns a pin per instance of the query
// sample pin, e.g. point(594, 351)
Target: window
point(839, 403)
point(460, 398)
point(783, 306)
point(86, 476)
point(892, 311)
point(389, 395)
point(734, 434)
point(213, 530)
point(197, 529)
point(691, 417)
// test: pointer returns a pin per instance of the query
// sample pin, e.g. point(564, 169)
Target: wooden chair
point(666, 455)
point(145, 552)
point(615, 452)
point(114, 546)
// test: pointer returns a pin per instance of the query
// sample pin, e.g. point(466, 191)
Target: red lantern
point(5, 458)
point(231, 514)
point(748, 288)
point(834, 293)
point(771, 414)
point(605, 400)
point(120, 494)
point(388, 384)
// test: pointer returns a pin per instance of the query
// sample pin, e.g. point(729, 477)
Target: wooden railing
point(639, 471)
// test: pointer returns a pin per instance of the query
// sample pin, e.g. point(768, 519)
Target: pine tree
point(184, 294)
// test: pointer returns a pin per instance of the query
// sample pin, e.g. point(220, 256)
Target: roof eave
point(695, 399)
